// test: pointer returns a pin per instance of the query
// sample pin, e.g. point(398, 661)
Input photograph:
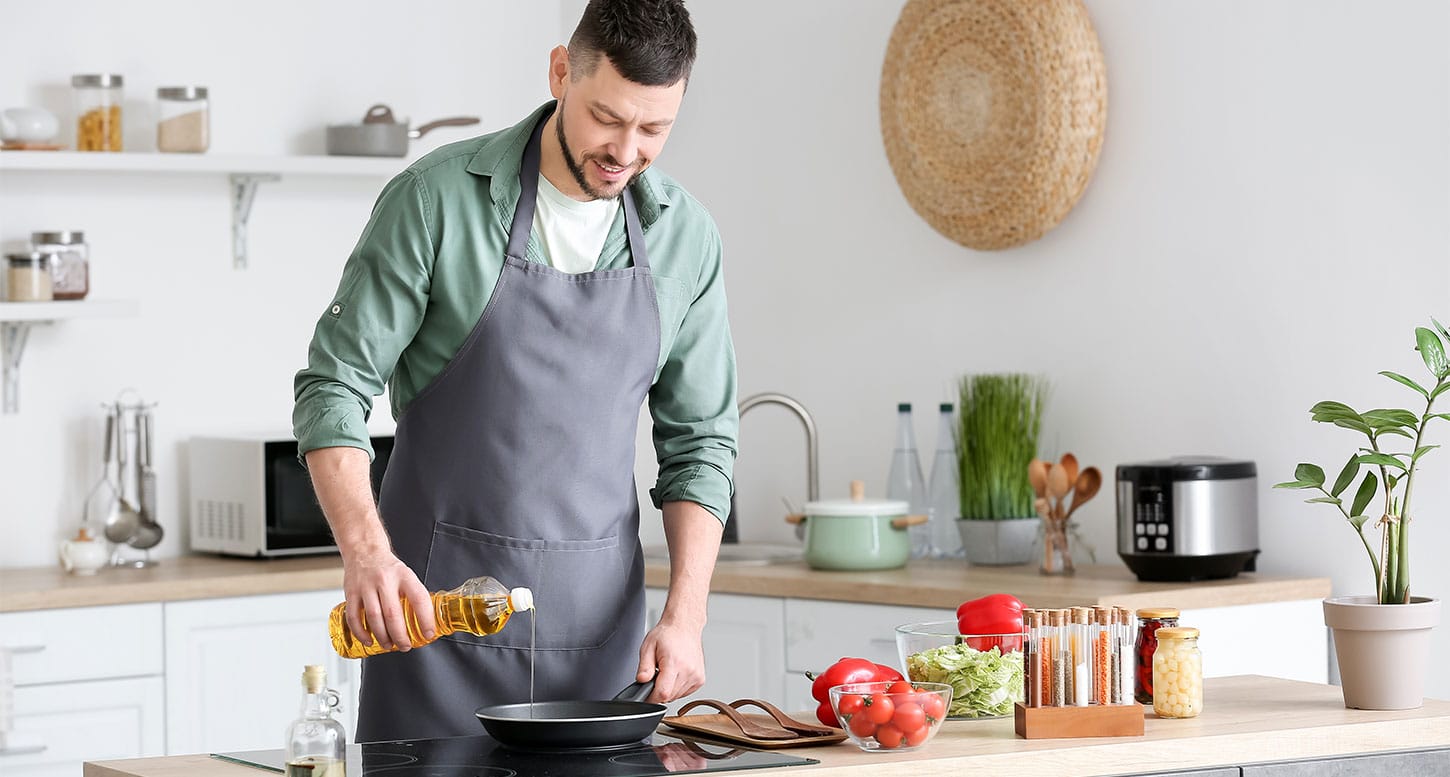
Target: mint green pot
point(857, 535)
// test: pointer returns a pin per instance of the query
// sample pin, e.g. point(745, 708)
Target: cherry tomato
point(908, 717)
point(916, 737)
point(879, 708)
point(900, 686)
point(850, 703)
point(932, 704)
point(890, 737)
point(862, 726)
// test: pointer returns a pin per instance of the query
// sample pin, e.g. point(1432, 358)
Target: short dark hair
point(650, 42)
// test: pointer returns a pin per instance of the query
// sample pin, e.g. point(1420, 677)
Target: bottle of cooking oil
point(480, 606)
point(316, 743)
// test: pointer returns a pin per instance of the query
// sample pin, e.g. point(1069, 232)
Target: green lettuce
point(984, 683)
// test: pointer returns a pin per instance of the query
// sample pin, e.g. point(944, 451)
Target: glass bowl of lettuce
point(984, 670)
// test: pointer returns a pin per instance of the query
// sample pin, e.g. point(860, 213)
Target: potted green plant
point(1382, 642)
point(997, 432)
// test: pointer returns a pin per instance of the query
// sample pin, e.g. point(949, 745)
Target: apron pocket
point(579, 586)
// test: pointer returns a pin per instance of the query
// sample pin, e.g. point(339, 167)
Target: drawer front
point(56, 727)
point(818, 633)
point(83, 643)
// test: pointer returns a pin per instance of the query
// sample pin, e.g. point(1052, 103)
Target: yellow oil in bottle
point(480, 606)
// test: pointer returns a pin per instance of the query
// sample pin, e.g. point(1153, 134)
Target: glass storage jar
point(98, 111)
point(70, 267)
point(1149, 621)
point(183, 119)
point(1177, 674)
point(28, 277)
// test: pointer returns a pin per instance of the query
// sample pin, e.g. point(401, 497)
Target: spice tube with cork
point(183, 119)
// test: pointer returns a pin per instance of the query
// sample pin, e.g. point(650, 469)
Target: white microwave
point(250, 496)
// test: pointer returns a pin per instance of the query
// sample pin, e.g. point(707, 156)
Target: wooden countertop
point(939, 584)
point(1245, 720)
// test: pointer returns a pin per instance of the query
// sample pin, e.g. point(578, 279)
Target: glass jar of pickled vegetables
point(98, 111)
point(1150, 619)
point(1177, 674)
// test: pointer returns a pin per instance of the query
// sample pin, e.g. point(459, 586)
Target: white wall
point(1271, 170)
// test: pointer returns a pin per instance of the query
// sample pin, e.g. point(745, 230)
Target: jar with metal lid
point(183, 119)
point(70, 263)
point(1150, 619)
point(1177, 674)
point(28, 277)
point(98, 111)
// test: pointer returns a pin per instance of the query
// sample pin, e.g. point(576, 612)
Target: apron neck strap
point(523, 222)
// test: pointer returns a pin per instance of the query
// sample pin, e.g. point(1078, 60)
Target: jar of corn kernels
point(98, 111)
point(1177, 674)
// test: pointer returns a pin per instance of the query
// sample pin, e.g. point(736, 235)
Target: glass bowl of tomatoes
point(983, 670)
point(891, 716)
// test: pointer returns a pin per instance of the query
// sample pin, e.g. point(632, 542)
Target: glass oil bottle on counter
point(481, 606)
point(316, 742)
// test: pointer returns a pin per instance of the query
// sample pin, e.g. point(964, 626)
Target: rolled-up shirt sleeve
point(374, 315)
point(693, 401)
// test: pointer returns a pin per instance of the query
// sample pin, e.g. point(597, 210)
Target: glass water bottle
point(943, 494)
point(905, 482)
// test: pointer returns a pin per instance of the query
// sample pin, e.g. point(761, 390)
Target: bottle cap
point(521, 599)
point(903, 407)
point(314, 678)
point(946, 407)
point(1177, 632)
point(1158, 612)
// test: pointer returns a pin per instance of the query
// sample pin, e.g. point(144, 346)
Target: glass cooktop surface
point(481, 756)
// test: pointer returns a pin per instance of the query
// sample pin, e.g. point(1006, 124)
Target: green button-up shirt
point(418, 280)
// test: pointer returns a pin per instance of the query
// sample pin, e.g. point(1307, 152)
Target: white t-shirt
point(571, 233)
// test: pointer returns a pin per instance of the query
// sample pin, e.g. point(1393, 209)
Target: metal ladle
point(148, 531)
point(122, 518)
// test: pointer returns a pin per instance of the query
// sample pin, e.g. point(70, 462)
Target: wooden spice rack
point(1095, 720)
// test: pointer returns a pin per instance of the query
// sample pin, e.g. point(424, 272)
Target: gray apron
point(517, 462)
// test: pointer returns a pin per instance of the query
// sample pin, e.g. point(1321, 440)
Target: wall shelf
point(16, 318)
point(244, 173)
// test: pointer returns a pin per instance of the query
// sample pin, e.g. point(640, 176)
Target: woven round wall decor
point(992, 113)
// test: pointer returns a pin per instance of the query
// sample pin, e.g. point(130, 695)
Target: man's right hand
point(375, 586)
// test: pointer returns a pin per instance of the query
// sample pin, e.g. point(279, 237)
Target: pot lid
point(858, 504)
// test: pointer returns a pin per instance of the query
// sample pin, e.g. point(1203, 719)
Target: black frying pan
point(575, 725)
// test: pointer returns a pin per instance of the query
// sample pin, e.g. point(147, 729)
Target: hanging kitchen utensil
point(575, 725)
point(100, 501)
point(121, 522)
point(148, 531)
point(380, 134)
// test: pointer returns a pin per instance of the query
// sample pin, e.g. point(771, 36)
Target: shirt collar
point(500, 157)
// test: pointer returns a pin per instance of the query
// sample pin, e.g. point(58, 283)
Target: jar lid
point(64, 237)
point(29, 257)
point(97, 79)
point(181, 92)
point(1176, 632)
point(1158, 612)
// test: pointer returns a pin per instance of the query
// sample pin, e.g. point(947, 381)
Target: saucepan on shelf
point(857, 533)
point(380, 134)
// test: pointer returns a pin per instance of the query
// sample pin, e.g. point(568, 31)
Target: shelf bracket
point(13, 335)
point(244, 190)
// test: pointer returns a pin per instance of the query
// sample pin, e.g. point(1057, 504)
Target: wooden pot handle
point(908, 520)
point(795, 518)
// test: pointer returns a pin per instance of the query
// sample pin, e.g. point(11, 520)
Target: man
point(520, 294)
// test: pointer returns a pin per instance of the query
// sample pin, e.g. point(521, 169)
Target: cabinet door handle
point(27, 750)
point(20, 650)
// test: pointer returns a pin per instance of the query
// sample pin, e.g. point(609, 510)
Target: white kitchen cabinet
point(234, 669)
point(57, 726)
point(744, 641)
point(84, 684)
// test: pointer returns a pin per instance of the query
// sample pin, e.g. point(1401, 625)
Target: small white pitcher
point(83, 554)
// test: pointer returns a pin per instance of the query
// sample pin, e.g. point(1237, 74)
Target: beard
point(576, 166)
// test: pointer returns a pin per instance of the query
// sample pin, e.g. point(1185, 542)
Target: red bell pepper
point(992, 614)
point(846, 670)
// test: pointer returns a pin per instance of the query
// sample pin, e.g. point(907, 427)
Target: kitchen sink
point(740, 554)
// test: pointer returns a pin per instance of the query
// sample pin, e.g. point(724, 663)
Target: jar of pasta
point(98, 111)
point(1177, 674)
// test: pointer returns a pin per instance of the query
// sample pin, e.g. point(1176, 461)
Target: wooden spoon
point(1069, 463)
point(1037, 475)
point(1057, 487)
point(1087, 487)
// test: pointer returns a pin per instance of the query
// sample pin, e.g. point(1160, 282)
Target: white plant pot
point(999, 543)
point(1383, 650)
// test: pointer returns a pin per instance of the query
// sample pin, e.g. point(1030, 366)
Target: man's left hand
point(676, 652)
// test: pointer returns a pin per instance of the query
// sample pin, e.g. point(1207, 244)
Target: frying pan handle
point(456, 121)
point(637, 691)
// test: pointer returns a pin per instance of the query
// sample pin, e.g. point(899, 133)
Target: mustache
point(611, 161)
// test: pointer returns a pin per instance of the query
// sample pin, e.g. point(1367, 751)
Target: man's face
point(609, 128)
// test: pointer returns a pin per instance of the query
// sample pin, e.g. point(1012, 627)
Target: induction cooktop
point(482, 756)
